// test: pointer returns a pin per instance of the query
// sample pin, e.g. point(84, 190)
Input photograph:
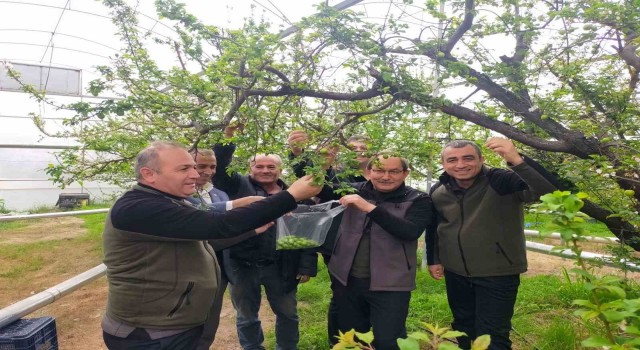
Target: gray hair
point(461, 144)
point(390, 154)
point(277, 158)
point(148, 157)
point(359, 138)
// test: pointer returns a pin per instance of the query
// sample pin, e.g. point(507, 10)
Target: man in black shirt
point(256, 262)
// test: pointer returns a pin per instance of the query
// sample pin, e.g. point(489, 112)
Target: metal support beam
point(556, 235)
point(52, 215)
point(24, 307)
point(38, 146)
point(567, 253)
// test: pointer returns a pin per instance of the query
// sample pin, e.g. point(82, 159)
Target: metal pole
point(38, 146)
point(556, 235)
point(24, 307)
point(566, 253)
point(52, 215)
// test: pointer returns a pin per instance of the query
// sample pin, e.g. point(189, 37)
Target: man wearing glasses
point(374, 257)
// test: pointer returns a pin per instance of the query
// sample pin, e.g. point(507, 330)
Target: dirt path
point(78, 315)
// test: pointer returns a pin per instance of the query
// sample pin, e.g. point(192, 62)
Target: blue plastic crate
point(30, 334)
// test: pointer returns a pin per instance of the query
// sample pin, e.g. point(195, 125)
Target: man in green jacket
point(479, 245)
point(161, 272)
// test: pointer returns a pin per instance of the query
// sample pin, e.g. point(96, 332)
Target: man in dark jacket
point(212, 199)
point(479, 245)
point(161, 273)
point(360, 145)
point(256, 262)
point(374, 257)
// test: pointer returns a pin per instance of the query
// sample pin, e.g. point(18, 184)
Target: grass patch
point(13, 225)
point(543, 314)
point(19, 259)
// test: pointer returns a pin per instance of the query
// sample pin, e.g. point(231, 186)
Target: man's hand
point(436, 271)
point(303, 278)
point(505, 149)
point(244, 201)
point(296, 140)
point(230, 130)
point(264, 227)
point(304, 188)
point(358, 202)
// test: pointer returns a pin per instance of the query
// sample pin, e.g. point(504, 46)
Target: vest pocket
point(501, 251)
point(184, 296)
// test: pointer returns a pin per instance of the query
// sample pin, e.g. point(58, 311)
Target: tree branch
point(375, 110)
point(469, 12)
point(339, 96)
point(507, 130)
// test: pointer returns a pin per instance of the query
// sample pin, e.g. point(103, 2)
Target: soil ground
point(78, 315)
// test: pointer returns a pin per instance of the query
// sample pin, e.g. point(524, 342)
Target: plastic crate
point(30, 334)
point(72, 200)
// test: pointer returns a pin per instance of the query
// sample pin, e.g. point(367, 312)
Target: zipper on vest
point(464, 260)
point(504, 253)
point(406, 257)
point(183, 296)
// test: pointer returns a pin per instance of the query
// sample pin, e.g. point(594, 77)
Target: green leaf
point(616, 316)
point(616, 291)
point(587, 315)
point(366, 337)
point(408, 344)
point(452, 334)
point(481, 343)
point(420, 336)
point(596, 341)
point(585, 303)
point(448, 346)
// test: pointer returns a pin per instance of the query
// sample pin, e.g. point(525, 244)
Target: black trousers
point(482, 305)
point(361, 309)
point(332, 314)
point(140, 340)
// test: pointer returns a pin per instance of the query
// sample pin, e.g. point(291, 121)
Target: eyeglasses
point(392, 172)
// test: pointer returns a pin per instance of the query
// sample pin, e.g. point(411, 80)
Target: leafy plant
point(3, 209)
point(608, 303)
point(434, 337)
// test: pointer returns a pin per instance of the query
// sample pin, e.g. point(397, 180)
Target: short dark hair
point(390, 154)
point(461, 144)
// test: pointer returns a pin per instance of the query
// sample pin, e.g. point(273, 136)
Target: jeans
point(246, 295)
point(361, 309)
point(140, 340)
point(482, 305)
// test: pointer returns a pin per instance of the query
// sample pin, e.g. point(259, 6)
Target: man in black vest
point(256, 262)
point(373, 262)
